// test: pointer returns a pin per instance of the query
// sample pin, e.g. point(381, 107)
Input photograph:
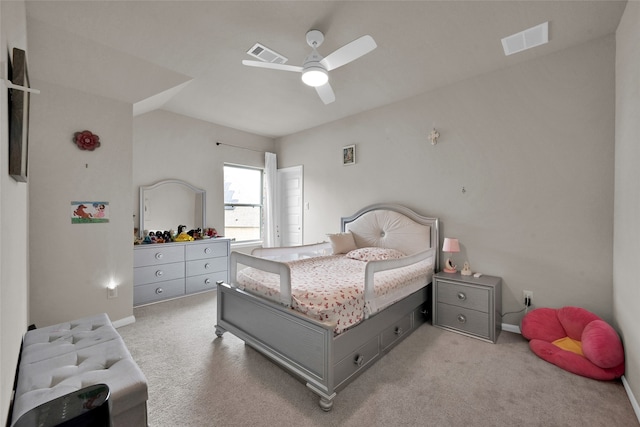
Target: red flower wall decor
point(86, 140)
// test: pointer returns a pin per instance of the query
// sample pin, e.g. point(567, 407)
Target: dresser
point(468, 305)
point(169, 270)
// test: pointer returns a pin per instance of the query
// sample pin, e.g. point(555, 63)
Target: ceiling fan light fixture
point(315, 76)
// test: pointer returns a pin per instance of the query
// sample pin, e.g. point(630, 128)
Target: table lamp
point(450, 246)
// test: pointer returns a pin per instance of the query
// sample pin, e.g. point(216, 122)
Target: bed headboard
point(393, 226)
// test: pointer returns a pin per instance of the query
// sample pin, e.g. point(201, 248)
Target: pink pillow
point(543, 324)
point(601, 345)
point(574, 320)
point(374, 254)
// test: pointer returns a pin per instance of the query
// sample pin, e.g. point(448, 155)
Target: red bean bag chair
point(576, 340)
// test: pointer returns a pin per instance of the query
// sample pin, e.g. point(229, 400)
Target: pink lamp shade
point(451, 246)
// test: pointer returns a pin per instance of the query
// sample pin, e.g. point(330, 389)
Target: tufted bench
point(67, 357)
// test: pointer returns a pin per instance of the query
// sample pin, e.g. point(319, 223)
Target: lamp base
point(450, 267)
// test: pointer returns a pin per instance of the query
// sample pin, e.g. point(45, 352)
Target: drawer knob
point(207, 266)
point(159, 273)
point(159, 255)
point(359, 360)
point(462, 318)
point(159, 291)
point(207, 250)
point(462, 296)
point(207, 281)
point(399, 331)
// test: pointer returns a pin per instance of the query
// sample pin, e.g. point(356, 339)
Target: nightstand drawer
point(468, 305)
point(466, 296)
point(463, 319)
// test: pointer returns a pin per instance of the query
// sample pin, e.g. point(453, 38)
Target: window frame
point(232, 205)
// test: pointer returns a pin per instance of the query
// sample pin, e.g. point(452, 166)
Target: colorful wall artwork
point(89, 212)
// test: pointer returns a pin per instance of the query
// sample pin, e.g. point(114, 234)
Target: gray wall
point(168, 145)
point(14, 225)
point(71, 265)
point(626, 289)
point(533, 145)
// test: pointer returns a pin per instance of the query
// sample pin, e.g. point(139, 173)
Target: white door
point(289, 223)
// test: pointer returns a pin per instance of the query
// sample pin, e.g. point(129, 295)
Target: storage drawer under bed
point(356, 361)
point(394, 332)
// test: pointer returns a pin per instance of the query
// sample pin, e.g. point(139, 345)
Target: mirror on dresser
point(169, 203)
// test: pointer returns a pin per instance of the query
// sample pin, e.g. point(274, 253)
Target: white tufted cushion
point(50, 341)
point(389, 229)
point(64, 358)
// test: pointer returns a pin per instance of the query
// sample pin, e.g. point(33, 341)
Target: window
point(242, 203)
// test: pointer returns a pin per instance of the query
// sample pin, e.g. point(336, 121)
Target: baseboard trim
point(632, 398)
point(124, 322)
point(511, 328)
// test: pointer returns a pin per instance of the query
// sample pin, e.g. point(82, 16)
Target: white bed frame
point(308, 348)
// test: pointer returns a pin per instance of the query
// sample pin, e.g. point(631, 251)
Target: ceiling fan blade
point(272, 66)
point(349, 52)
point(326, 93)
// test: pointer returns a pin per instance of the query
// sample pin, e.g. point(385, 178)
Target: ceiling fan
point(315, 69)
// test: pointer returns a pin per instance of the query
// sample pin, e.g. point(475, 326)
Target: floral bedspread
point(331, 288)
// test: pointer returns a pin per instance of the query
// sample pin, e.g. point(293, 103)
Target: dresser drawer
point(467, 296)
point(463, 319)
point(153, 292)
point(158, 273)
point(207, 250)
point(204, 282)
point(356, 361)
point(157, 254)
point(204, 266)
point(395, 331)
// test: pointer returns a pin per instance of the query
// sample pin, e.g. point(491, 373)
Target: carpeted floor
point(433, 378)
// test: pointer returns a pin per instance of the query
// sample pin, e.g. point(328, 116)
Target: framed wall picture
point(349, 155)
point(89, 212)
point(18, 117)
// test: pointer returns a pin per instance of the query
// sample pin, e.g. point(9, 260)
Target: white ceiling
point(185, 57)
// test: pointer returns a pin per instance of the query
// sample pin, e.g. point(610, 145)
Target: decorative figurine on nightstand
point(466, 269)
point(451, 246)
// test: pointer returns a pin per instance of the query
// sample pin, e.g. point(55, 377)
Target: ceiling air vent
point(532, 37)
point(265, 54)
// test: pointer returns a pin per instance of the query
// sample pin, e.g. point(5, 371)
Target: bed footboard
point(297, 343)
point(307, 348)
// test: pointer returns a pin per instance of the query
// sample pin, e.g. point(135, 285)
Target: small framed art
point(349, 155)
point(89, 212)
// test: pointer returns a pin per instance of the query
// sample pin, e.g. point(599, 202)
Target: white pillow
point(341, 243)
point(374, 254)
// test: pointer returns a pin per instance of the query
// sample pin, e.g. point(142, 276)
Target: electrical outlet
point(527, 298)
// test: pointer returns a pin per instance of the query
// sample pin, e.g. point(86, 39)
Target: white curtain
point(270, 201)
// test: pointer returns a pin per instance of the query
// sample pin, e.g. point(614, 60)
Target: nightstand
point(468, 305)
